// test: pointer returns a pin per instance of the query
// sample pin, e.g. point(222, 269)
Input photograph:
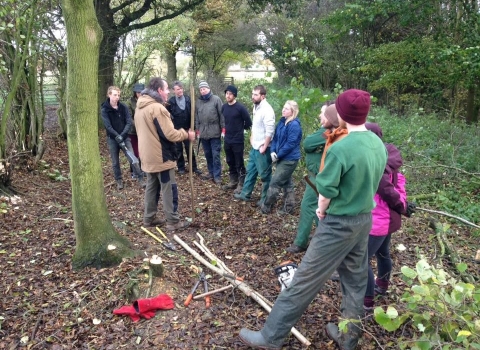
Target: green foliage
point(53, 174)
point(442, 310)
point(310, 101)
point(440, 158)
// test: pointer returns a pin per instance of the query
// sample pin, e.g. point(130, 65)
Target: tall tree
point(95, 234)
point(118, 18)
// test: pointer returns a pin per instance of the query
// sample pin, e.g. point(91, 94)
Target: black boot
point(345, 341)
point(232, 184)
point(256, 340)
point(241, 180)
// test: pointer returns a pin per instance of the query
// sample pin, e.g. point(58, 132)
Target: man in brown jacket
point(156, 142)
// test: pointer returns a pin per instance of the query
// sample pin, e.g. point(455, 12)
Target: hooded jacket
point(117, 121)
point(156, 133)
point(390, 203)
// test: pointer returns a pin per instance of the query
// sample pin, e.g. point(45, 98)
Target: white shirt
point(263, 124)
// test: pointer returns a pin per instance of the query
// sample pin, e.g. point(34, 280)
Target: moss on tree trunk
point(94, 231)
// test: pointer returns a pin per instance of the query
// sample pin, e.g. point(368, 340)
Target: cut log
point(156, 266)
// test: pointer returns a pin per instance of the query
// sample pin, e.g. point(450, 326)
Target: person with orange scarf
point(314, 146)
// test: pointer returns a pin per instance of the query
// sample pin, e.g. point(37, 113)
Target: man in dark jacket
point(117, 121)
point(180, 107)
point(237, 119)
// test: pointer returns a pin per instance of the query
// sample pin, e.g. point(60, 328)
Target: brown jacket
point(156, 134)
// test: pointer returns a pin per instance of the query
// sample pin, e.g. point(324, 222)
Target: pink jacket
point(391, 197)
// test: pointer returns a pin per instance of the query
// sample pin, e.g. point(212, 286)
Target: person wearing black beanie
point(237, 120)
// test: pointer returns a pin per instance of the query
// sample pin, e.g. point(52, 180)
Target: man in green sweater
point(350, 177)
point(313, 146)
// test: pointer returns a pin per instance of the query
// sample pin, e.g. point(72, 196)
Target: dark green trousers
point(307, 215)
point(340, 243)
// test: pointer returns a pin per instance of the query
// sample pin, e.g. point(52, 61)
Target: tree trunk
point(107, 50)
point(170, 58)
point(471, 116)
point(97, 242)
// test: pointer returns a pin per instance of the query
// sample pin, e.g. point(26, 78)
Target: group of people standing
point(356, 194)
point(351, 174)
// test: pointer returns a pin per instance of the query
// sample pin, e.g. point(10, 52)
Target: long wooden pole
point(190, 148)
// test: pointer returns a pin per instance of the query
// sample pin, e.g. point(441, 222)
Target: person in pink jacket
point(391, 201)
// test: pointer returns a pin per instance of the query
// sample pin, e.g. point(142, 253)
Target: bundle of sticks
point(235, 281)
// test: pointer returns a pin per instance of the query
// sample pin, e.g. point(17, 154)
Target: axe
point(310, 183)
point(131, 157)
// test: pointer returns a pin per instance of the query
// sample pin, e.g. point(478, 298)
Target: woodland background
point(418, 59)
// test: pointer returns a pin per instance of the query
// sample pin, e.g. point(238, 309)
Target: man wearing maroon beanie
point(346, 185)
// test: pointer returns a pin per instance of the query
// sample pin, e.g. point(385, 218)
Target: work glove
point(274, 157)
point(411, 206)
point(119, 139)
point(134, 316)
point(160, 302)
point(223, 133)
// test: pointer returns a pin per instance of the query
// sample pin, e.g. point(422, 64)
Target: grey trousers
point(340, 243)
point(168, 186)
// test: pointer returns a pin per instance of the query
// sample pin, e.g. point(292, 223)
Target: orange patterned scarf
point(337, 134)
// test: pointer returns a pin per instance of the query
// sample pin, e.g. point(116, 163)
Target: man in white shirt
point(259, 160)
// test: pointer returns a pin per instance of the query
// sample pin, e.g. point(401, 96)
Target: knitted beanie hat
point(331, 115)
point(203, 84)
point(353, 106)
point(232, 89)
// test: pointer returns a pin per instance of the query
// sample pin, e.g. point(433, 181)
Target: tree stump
point(156, 266)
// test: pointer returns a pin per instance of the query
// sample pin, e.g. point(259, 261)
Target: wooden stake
point(190, 147)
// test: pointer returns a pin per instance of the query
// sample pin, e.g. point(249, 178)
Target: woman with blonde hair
point(285, 153)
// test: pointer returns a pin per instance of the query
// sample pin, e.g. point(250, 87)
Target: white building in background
point(261, 69)
point(258, 71)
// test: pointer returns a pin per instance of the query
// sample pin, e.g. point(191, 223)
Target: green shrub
point(444, 312)
point(440, 160)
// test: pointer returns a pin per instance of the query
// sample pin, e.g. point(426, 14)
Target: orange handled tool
point(190, 296)
point(205, 286)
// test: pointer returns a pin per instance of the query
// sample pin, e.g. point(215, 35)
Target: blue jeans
point(339, 243)
point(258, 165)
point(212, 149)
point(114, 149)
point(380, 247)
